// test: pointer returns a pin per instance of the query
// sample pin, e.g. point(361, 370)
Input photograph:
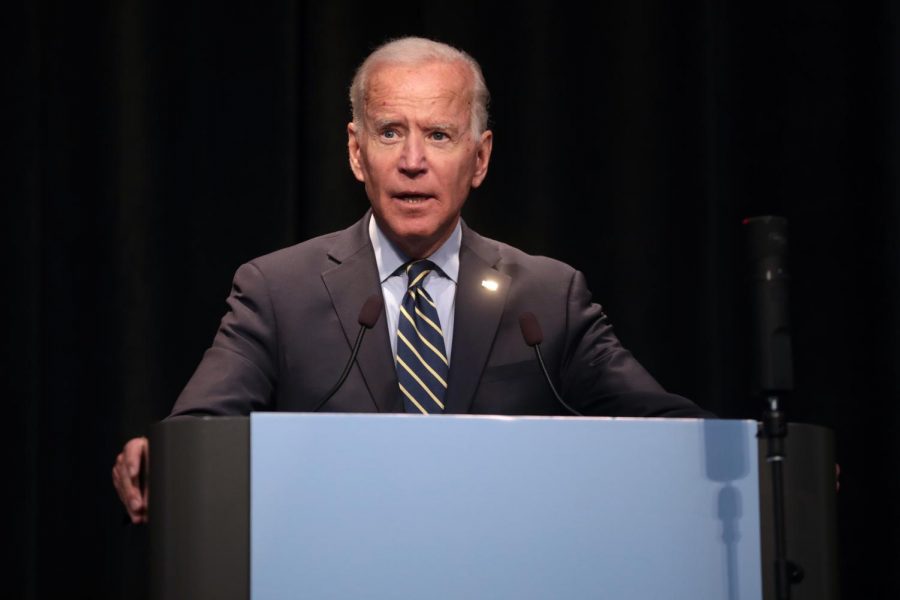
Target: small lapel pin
point(490, 284)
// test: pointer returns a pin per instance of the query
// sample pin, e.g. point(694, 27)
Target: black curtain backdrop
point(158, 145)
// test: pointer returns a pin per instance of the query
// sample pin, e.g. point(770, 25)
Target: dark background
point(158, 145)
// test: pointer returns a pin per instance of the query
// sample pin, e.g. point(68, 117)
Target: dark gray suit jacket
point(292, 321)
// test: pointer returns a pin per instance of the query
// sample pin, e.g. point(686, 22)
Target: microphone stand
point(767, 254)
point(368, 316)
point(774, 430)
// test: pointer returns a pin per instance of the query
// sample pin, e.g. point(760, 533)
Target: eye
point(389, 134)
point(439, 136)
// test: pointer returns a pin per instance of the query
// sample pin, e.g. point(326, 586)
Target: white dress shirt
point(441, 286)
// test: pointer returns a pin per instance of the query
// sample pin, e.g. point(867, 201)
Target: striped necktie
point(422, 363)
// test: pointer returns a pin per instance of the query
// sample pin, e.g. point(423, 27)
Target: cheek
point(377, 168)
point(462, 178)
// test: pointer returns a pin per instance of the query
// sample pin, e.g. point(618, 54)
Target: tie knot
point(417, 271)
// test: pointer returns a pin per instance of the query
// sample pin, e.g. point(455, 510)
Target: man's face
point(416, 151)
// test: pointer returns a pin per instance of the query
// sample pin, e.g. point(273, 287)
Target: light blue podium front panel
point(462, 507)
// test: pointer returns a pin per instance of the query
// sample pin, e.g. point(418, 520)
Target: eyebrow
point(382, 123)
point(444, 126)
point(387, 122)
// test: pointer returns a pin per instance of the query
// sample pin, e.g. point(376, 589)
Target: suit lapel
point(477, 317)
point(350, 282)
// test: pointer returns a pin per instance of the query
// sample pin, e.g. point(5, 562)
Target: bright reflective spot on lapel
point(490, 284)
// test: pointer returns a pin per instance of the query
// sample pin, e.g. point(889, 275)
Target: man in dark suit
point(449, 341)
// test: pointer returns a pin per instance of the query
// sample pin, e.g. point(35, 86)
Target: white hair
point(416, 51)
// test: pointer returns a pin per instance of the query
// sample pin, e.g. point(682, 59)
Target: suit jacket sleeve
point(238, 373)
point(601, 376)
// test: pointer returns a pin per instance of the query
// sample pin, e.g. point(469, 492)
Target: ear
point(482, 157)
point(354, 152)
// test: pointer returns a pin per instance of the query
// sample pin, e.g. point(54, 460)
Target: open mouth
point(412, 197)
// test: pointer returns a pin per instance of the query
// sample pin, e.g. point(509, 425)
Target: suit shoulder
point(316, 252)
point(515, 261)
point(315, 247)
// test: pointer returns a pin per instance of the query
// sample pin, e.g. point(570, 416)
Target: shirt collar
point(389, 258)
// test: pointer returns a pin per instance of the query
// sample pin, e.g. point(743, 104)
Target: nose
point(412, 159)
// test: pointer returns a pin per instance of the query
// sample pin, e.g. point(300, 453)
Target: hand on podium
point(129, 478)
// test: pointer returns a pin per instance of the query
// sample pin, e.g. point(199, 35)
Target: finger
point(132, 461)
point(119, 481)
point(124, 488)
point(136, 504)
point(138, 509)
point(134, 455)
point(133, 501)
point(128, 493)
point(127, 474)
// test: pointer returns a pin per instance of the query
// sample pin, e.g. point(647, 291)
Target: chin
point(413, 228)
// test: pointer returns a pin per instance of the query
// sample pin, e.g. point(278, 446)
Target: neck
point(418, 251)
point(419, 248)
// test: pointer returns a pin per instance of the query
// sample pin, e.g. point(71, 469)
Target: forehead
point(428, 87)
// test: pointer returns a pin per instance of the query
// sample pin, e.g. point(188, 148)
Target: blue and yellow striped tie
point(422, 363)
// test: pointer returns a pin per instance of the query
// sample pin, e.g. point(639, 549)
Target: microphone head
point(371, 310)
point(767, 247)
point(767, 253)
point(531, 329)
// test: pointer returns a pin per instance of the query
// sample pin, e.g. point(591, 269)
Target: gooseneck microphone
point(368, 316)
point(531, 331)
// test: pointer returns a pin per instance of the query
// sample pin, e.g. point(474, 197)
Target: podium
point(456, 506)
